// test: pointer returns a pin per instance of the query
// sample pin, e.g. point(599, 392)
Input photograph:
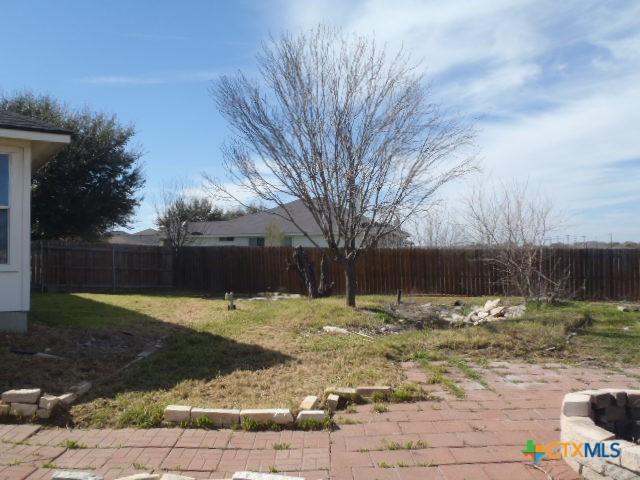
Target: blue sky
point(554, 86)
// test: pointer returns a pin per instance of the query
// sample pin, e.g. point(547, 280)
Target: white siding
point(14, 276)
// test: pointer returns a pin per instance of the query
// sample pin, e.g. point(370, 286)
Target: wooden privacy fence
point(597, 274)
point(63, 266)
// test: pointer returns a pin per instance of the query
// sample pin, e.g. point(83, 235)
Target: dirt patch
point(71, 355)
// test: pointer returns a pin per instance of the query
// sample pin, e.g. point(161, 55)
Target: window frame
point(8, 207)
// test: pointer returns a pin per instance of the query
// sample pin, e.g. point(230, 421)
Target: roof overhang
point(43, 144)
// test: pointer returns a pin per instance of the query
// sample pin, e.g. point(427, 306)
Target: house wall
point(243, 241)
point(15, 275)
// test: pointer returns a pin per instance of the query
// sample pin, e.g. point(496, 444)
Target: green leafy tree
point(91, 185)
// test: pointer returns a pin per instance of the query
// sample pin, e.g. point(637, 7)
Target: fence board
point(597, 274)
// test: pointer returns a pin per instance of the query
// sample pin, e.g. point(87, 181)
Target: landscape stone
point(43, 413)
point(75, 475)
point(601, 399)
point(619, 395)
point(344, 392)
point(48, 401)
point(4, 409)
point(177, 413)
point(316, 415)
point(490, 304)
point(67, 398)
point(368, 391)
point(497, 311)
point(310, 402)
point(23, 395)
point(81, 388)
point(141, 476)
point(219, 417)
point(262, 476)
point(482, 315)
point(332, 402)
point(576, 405)
point(281, 416)
point(23, 409)
point(173, 476)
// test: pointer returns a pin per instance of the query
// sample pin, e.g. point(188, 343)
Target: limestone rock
point(141, 476)
point(220, 417)
point(491, 304)
point(262, 476)
point(4, 409)
point(23, 395)
point(67, 399)
point(177, 413)
point(316, 415)
point(310, 402)
point(172, 476)
point(81, 388)
point(344, 392)
point(43, 413)
point(335, 330)
point(48, 401)
point(281, 416)
point(332, 402)
point(75, 475)
point(23, 409)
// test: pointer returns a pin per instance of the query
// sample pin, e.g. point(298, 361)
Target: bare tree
point(438, 227)
point(177, 208)
point(346, 128)
point(515, 224)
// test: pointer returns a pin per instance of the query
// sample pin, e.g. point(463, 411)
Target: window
point(256, 242)
point(4, 208)
point(227, 239)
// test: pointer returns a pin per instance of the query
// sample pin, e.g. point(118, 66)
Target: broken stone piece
point(491, 304)
point(220, 417)
point(48, 401)
point(23, 409)
point(310, 402)
point(262, 476)
point(141, 476)
point(332, 402)
point(75, 475)
point(316, 415)
point(43, 413)
point(281, 416)
point(177, 413)
point(67, 399)
point(81, 388)
point(23, 395)
point(335, 330)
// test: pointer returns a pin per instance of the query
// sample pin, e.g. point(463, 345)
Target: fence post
point(113, 267)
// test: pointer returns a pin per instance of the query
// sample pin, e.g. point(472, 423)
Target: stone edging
point(30, 402)
point(308, 413)
point(579, 411)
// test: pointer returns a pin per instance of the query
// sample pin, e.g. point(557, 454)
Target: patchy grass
point(272, 354)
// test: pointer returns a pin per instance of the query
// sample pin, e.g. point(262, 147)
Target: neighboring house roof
point(149, 236)
point(258, 223)
point(15, 121)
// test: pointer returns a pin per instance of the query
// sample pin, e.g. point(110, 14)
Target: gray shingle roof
point(257, 223)
point(15, 121)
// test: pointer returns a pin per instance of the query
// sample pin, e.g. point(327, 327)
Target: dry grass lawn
point(271, 353)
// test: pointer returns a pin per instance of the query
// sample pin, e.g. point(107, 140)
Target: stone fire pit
point(602, 419)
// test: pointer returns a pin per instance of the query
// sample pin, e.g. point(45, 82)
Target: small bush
point(310, 424)
point(251, 425)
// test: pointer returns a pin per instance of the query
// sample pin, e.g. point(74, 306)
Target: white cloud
point(556, 85)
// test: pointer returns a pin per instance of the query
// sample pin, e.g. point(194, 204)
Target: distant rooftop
point(15, 121)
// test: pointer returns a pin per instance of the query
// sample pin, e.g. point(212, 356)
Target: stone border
point(577, 423)
point(79, 475)
point(30, 402)
point(309, 411)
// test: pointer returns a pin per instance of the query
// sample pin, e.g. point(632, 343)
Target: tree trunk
point(350, 282)
point(325, 287)
point(304, 267)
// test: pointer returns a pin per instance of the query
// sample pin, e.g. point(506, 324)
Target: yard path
point(478, 437)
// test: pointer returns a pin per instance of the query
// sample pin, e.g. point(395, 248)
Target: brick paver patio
point(479, 437)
